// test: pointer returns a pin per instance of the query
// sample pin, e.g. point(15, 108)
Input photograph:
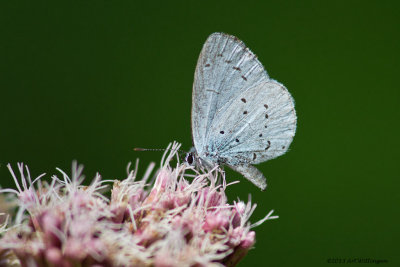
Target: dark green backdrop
point(90, 80)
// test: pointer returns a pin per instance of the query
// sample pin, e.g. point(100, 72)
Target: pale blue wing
point(255, 130)
point(225, 68)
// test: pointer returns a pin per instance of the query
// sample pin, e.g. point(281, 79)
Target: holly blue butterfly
point(240, 116)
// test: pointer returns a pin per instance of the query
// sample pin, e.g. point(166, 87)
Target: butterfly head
point(191, 157)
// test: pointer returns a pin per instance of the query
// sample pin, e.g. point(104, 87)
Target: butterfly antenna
point(155, 149)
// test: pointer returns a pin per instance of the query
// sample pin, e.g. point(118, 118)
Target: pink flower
point(181, 220)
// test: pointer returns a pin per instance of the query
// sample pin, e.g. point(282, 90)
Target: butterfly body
point(239, 115)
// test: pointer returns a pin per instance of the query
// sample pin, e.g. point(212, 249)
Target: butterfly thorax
point(205, 159)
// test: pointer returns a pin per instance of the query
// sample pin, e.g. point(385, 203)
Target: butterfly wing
point(225, 68)
point(239, 115)
point(255, 131)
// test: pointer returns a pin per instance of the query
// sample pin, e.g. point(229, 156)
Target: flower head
point(181, 219)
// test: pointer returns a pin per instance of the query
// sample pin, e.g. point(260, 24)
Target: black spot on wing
point(269, 145)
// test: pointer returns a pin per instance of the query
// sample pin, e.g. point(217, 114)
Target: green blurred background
point(90, 80)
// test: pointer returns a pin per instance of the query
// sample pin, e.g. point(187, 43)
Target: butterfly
point(240, 116)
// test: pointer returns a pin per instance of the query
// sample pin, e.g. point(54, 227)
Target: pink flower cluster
point(177, 220)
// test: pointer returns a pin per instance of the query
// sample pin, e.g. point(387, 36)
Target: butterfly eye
point(189, 158)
